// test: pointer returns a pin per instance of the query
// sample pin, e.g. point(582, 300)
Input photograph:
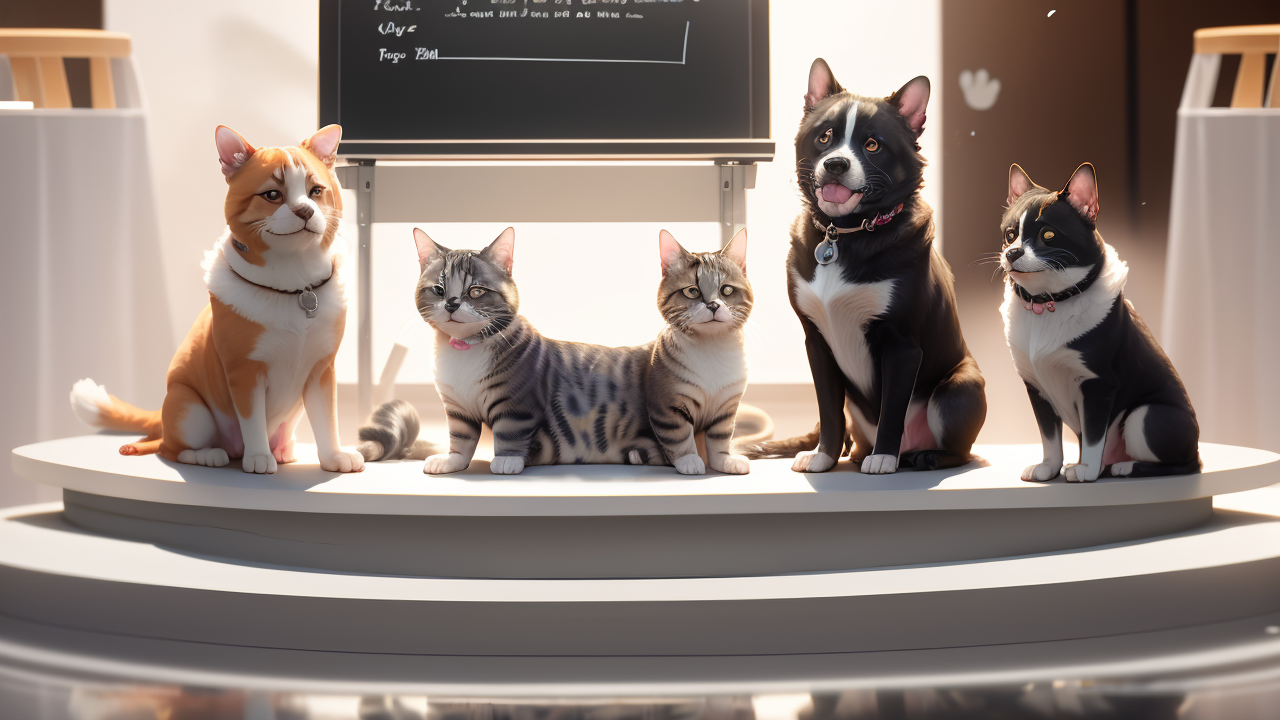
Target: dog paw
point(1122, 469)
point(1044, 472)
point(731, 464)
point(813, 461)
point(342, 461)
point(445, 463)
point(880, 464)
point(209, 457)
point(283, 453)
point(507, 465)
point(258, 463)
point(1079, 472)
point(690, 464)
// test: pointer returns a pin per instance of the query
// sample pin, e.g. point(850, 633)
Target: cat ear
point(669, 251)
point(324, 144)
point(428, 249)
point(911, 100)
point(1082, 192)
point(822, 84)
point(1019, 182)
point(736, 250)
point(233, 151)
point(502, 251)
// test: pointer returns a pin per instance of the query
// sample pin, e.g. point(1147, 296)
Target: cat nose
point(452, 304)
point(713, 306)
point(304, 211)
point(837, 165)
point(1012, 254)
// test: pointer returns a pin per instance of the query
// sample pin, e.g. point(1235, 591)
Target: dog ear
point(1082, 192)
point(428, 249)
point(324, 144)
point(669, 251)
point(736, 250)
point(822, 84)
point(233, 150)
point(911, 100)
point(1019, 182)
point(502, 251)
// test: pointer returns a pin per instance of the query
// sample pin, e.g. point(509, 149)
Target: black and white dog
point(875, 298)
point(1082, 350)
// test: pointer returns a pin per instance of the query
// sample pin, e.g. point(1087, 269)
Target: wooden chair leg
point(26, 80)
point(1248, 89)
point(101, 86)
point(1273, 92)
point(53, 75)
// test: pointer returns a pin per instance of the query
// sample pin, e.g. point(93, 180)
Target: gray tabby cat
point(551, 402)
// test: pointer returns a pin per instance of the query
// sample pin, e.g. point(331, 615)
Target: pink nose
point(304, 211)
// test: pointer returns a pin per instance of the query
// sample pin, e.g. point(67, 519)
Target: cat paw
point(342, 461)
point(813, 461)
point(633, 457)
point(1079, 472)
point(732, 465)
point(507, 465)
point(283, 453)
point(690, 464)
point(446, 463)
point(209, 457)
point(258, 463)
point(880, 464)
point(1044, 472)
point(1122, 469)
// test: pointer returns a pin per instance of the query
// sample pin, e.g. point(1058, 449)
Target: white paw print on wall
point(980, 89)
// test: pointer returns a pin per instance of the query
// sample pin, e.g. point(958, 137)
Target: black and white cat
point(1084, 353)
point(875, 297)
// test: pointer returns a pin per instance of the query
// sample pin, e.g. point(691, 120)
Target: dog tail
point(95, 407)
point(1157, 469)
point(392, 434)
point(778, 448)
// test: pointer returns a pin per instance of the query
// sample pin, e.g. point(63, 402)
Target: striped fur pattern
point(556, 402)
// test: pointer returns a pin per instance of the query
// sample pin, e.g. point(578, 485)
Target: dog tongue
point(836, 193)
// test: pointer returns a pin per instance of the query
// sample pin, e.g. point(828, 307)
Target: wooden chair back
point(36, 54)
point(1252, 43)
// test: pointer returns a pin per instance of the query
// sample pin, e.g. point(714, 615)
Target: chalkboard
point(678, 78)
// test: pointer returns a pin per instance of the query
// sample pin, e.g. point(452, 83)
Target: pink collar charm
point(457, 344)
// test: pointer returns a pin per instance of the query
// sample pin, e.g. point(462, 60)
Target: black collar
point(244, 248)
point(1057, 297)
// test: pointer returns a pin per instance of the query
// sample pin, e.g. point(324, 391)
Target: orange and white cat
point(263, 349)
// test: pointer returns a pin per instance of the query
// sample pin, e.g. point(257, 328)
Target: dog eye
point(317, 191)
point(871, 145)
point(692, 292)
point(1048, 235)
point(726, 290)
point(438, 290)
point(476, 291)
point(272, 196)
point(825, 137)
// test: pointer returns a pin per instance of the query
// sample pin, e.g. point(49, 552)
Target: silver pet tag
point(826, 252)
point(309, 301)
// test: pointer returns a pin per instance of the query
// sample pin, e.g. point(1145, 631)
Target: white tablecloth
point(83, 292)
point(1222, 287)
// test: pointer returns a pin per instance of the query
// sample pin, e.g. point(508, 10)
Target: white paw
point(690, 464)
point(258, 463)
point(813, 461)
point(1122, 469)
point(209, 457)
point(446, 463)
point(879, 464)
point(731, 464)
point(507, 465)
point(633, 457)
point(343, 461)
point(1043, 472)
point(1079, 472)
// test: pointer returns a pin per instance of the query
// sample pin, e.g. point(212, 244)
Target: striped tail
point(95, 407)
point(778, 448)
point(392, 434)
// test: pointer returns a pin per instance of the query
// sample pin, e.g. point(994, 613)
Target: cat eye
point(871, 145)
point(438, 290)
point(1048, 235)
point(317, 191)
point(476, 291)
point(825, 137)
point(726, 290)
point(1009, 236)
point(692, 292)
point(272, 196)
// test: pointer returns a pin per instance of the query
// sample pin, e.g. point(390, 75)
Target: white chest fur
point(459, 374)
point(716, 367)
point(841, 311)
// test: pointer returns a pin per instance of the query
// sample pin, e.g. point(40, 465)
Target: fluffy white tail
point(90, 402)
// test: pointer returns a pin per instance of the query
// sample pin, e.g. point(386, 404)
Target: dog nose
point(1012, 254)
point(304, 211)
point(713, 306)
point(452, 304)
point(837, 165)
